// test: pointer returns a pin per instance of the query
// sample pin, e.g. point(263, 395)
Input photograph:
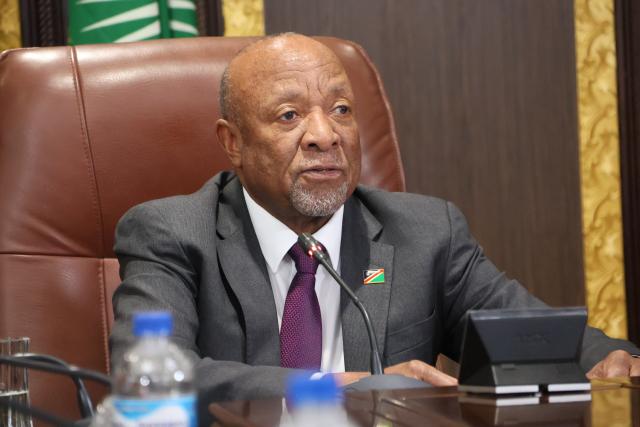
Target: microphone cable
point(84, 398)
point(72, 371)
point(46, 363)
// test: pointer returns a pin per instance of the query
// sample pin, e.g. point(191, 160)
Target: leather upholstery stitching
point(86, 146)
point(93, 188)
point(103, 311)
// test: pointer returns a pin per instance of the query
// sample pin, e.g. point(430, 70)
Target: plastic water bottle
point(153, 384)
point(315, 403)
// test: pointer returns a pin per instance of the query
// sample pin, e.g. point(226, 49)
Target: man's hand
point(412, 369)
point(423, 372)
point(618, 363)
point(346, 378)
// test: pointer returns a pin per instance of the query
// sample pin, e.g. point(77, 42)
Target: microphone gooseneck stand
point(378, 380)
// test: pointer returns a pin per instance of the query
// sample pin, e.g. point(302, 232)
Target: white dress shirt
point(275, 240)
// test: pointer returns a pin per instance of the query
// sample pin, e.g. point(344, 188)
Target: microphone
point(315, 249)
point(378, 380)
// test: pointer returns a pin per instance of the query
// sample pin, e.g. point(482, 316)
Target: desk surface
point(613, 402)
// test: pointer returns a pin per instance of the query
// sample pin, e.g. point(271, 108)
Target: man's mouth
point(322, 172)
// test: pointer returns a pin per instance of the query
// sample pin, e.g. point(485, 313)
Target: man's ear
point(230, 140)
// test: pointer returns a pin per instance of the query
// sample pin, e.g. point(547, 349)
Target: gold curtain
point(600, 165)
point(9, 24)
point(243, 17)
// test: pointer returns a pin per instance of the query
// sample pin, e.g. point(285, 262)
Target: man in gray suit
point(223, 260)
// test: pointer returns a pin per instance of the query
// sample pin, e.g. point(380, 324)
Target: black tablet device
point(523, 351)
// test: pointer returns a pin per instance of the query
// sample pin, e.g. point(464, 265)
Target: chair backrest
point(87, 132)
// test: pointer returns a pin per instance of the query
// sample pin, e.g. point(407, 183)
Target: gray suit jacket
point(198, 256)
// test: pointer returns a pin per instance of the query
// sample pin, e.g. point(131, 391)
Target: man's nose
point(320, 133)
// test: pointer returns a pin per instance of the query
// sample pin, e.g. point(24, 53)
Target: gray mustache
point(320, 161)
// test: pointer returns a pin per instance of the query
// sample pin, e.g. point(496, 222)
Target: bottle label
point(167, 412)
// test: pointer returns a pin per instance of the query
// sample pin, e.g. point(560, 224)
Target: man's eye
point(342, 109)
point(288, 116)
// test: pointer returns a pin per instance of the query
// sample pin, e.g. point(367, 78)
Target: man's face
point(299, 149)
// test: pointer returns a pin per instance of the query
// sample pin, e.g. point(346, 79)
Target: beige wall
point(9, 24)
point(600, 166)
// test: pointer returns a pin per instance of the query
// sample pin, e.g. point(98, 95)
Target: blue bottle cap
point(152, 323)
point(301, 390)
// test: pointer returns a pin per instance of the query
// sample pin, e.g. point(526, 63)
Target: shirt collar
point(276, 239)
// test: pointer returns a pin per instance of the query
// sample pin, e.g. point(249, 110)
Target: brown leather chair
point(86, 133)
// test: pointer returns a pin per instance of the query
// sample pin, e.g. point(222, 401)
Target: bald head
point(261, 58)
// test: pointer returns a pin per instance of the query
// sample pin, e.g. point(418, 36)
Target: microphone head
point(313, 247)
point(307, 241)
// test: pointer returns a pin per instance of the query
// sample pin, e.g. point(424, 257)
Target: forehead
point(284, 65)
point(326, 78)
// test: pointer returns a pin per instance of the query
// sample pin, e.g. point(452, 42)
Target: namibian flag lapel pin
point(373, 277)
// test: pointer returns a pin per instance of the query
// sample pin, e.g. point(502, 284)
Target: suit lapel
point(245, 269)
point(359, 252)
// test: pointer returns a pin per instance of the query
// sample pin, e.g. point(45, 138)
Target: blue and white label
point(167, 412)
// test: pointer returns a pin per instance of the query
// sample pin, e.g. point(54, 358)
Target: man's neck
point(297, 222)
point(307, 224)
point(276, 238)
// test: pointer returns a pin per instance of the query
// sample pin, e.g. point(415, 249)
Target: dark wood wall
point(628, 51)
point(484, 95)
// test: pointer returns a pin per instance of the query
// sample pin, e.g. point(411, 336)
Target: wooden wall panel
point(484, 94)
point(628, 52)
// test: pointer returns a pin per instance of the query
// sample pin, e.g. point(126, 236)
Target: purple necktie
point(301, 329)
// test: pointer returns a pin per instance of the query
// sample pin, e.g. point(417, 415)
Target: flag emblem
point(116, 21)
point(373, 277)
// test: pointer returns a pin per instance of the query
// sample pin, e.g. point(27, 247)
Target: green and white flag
point(115, 21)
